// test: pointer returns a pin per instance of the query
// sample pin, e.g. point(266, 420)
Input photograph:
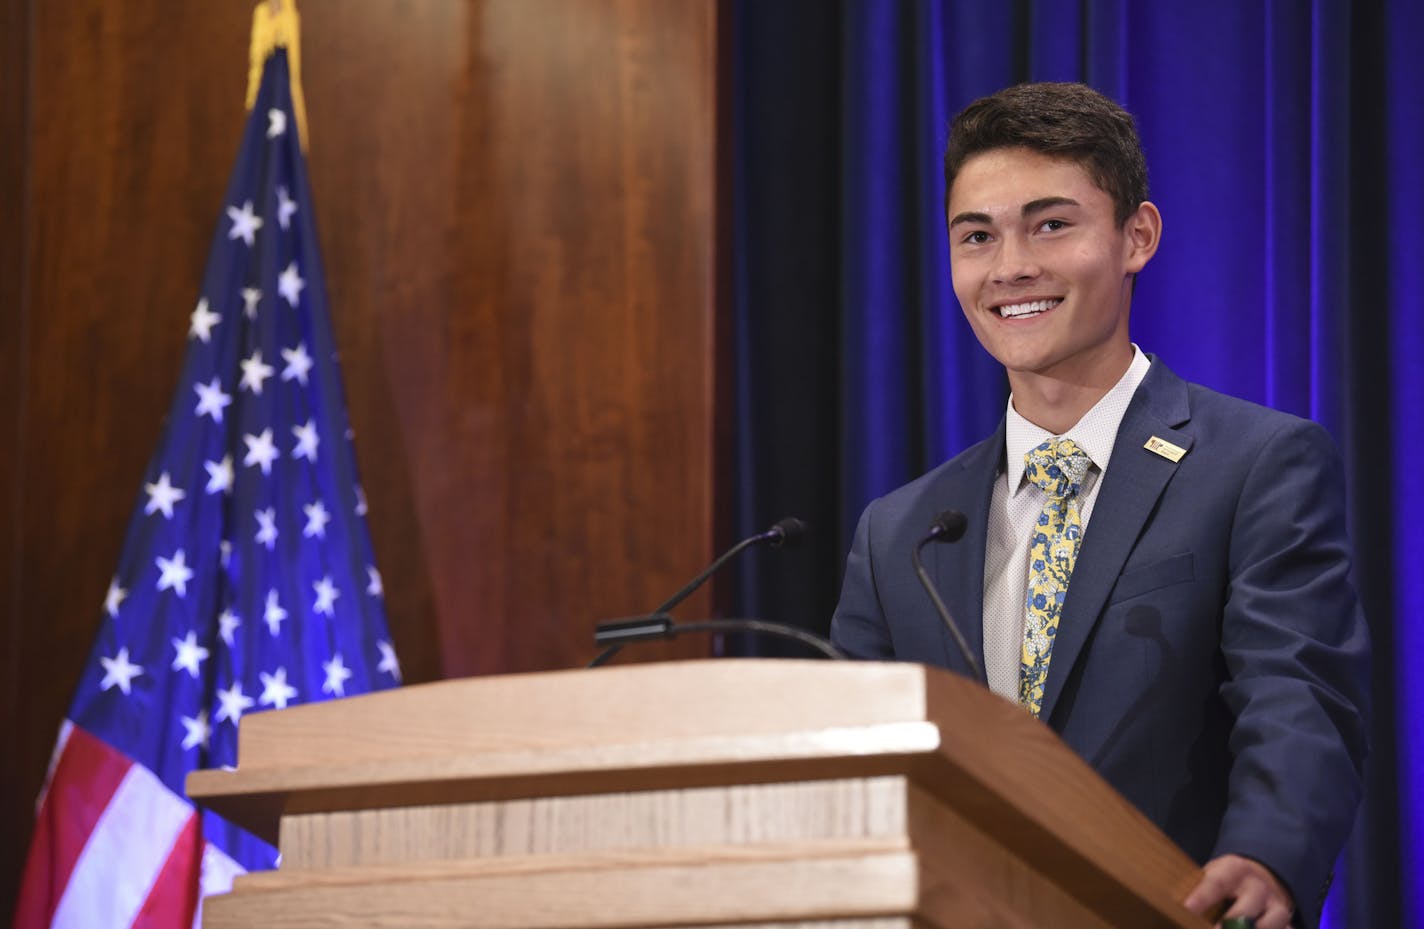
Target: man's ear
point(1142, 233)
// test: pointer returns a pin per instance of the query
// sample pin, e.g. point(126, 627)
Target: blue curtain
point(1285, 140)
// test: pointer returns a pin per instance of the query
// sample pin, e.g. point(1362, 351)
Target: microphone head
point(949, 526)
point(787, 533)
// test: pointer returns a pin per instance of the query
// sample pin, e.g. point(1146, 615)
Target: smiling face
point(1041, 268)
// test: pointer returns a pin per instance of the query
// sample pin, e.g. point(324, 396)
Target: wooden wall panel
point(15, 806)
point(517, 206)
point(531, 284)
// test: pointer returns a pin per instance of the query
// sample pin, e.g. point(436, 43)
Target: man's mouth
point(1030, 308)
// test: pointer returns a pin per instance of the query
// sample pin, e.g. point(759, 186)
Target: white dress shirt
point(1013, 514)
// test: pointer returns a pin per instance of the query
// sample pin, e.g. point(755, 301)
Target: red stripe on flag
point(174, 897)
point(88, 773)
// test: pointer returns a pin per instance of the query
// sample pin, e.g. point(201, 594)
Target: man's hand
point(1251, 885)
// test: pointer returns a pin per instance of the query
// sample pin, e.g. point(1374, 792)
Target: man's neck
point(1057, 400)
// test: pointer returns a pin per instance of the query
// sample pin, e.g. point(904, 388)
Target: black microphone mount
point(619, 632)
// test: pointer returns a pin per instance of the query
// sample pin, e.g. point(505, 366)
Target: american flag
point(246, 581)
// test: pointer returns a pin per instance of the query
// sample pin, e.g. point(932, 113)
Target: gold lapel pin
point(1167, 450)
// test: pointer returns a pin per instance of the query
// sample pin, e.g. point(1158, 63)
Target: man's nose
point(1014, 262)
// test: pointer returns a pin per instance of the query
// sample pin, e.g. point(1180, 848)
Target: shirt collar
point(1095, 433)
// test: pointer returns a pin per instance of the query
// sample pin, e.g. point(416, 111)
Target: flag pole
point(275, 24)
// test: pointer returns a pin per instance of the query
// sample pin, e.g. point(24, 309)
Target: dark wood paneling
point(516, 203)
point(530, 284)
point(590, 128)
point(16, 810)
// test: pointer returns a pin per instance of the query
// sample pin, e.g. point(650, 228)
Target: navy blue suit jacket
point(1211, 660)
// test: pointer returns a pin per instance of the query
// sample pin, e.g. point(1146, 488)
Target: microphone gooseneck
point(786, 533)
point(948, 527)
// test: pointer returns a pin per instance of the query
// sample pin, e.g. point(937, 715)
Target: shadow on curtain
point(1286, 145)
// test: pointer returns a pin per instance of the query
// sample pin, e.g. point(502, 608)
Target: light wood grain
point(575, 709)
point(257, 798)
point(795, 884)
point(742, 815)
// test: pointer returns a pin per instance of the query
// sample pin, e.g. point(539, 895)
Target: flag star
point(219, 475)
point(337, 674)
point(290, 283)
point(317, 518)
point(234, 703)
point(389, 663)
point(360, 502)
point(260, 451)
point(115, 596)
point(273, 614)
point(326, 594)
point(202, 321)
point(266, 527)
point(225, 551)
point(119, 670)
point(276, 123)
point(175, 573)
point(275, 689)
point(254, 372)
point(211, 400)
point(299, 363)
point(250, 296)
point(162, 496)
point(307, 441)
point(197, 730)
point(286, 206)
point(375, 588)
point(189, 654)
point(245, 223)
point(227, 625)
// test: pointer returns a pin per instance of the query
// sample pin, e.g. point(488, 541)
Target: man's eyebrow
point(1047, 203)
point(970, 218)
point(1033, 206)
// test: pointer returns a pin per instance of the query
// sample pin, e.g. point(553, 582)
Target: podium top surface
point(556, 710)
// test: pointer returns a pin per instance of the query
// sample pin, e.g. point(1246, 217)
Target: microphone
point(948, 527)
point(786, 533)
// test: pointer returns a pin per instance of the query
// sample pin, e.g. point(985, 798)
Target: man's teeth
point(1028, 309)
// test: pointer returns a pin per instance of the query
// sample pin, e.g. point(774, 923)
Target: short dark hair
point(1068, 121)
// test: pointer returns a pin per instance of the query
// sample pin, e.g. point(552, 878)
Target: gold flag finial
point(275, 25)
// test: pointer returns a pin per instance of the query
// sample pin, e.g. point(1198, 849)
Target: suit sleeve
point(1296, 649)
point(858, 626)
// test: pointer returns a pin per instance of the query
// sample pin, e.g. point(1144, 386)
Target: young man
point(1158, 572)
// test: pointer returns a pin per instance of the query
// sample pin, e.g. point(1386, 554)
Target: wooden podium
point(833, 795)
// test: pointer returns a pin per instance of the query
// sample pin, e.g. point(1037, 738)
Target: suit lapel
point(958, 568)
point(1135, 479)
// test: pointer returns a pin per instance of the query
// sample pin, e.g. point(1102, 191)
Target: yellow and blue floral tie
point(1057, 467)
